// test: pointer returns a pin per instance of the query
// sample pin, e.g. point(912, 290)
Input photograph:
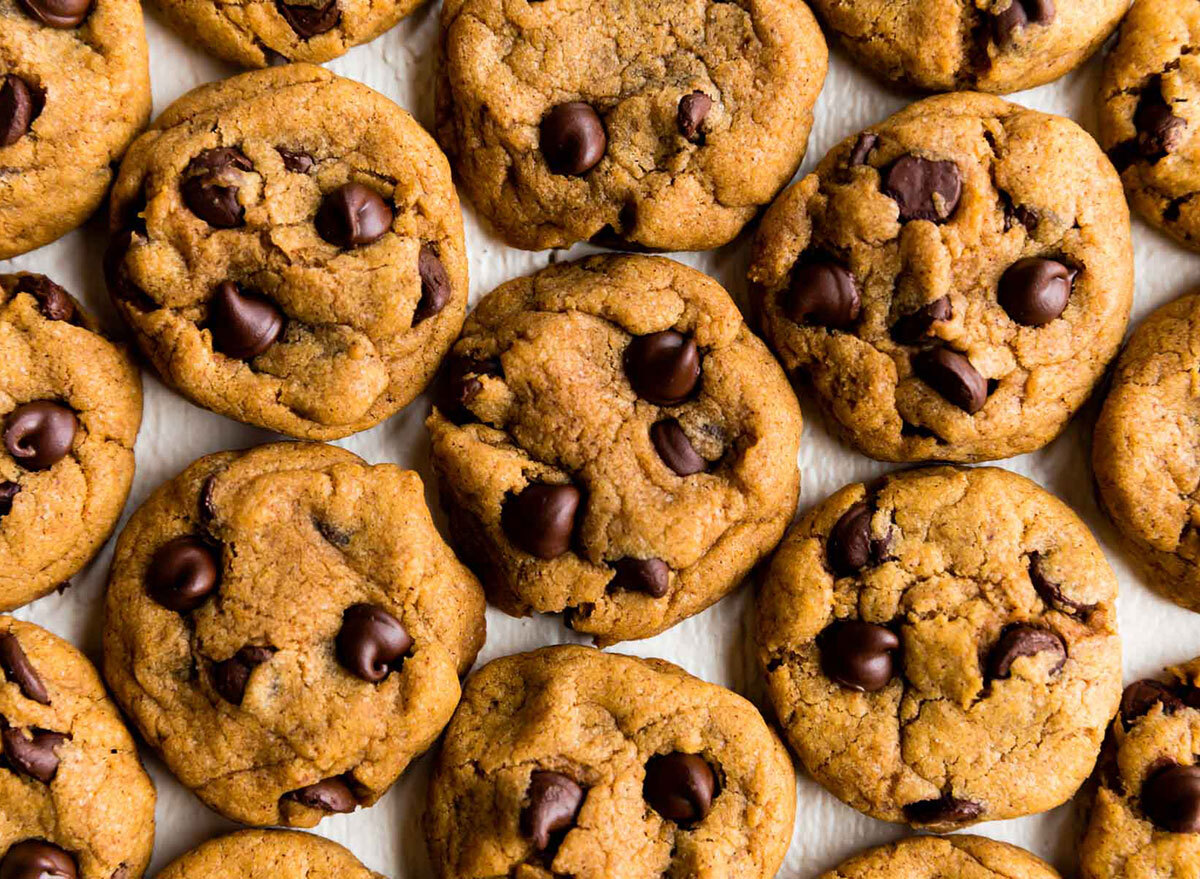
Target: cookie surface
point(569, 761)
point(941, 646)
point(73, 794)
point(287, 629)
point(612, 442)
point(952, 282)
point(288, 248)
point(74, 90)
point(70, 409)
point(952, 857)
point(285, 854)
point(663, 125)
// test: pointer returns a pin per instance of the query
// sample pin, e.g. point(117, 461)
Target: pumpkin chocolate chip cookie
point(282, 854)
point(287, 629)
point(941, 646)
point(614, 444)
point(951, 857)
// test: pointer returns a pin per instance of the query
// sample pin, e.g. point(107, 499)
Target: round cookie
point(1144, 819)
point(288, 248)
point(70, 409)
point(75, 802)
point(283, 854)
point(660, 124)
point(74, 90)
point(997, 46)
point(951, 857)
point(614, 444)
point(287, 629)
point(951, 282)
point(941, 646)
point(571, 762)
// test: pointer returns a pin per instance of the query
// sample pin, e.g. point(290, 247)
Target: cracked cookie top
point(287, 629)
point(953, 857)
point(75, 802)
point(951, 282)
point(70, 409)
point(74, 90)
point(288, 248)
point(571, 762)
point(663, 125)
point(612, 442)
point(282, 854)
point(941, 646)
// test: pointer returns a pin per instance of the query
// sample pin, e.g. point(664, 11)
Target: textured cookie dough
point(282, 854)
point(70, 409)
point(72, 790)
point(74, 90)
point(287, 629)
point(995, 46)
point(571, 762)
point(288, 248)
point(659, 124)
point(1150, 114)
point(952, 282)
point(941, 646)
point(573, 485)
point(952, 857)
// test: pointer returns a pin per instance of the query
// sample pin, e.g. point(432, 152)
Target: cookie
point(612, 443)
point(952, 282)
point(288, 249)
point(996, 46)
point(951, 857)
point(1150, 113)
point(941, 646)
point(74, 90)
point(1144, 819)
point(659, 124)
point(571, 762)
point(284, 854)
point(70, 409)
point(75, 802)
point(287, 629)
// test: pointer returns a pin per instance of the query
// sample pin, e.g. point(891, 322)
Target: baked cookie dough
point(951, 857)
point(75, 802)
point(283, 854)
point(663, 124)
point(287, 629)
point(995, 46)
point(74, 90)
point(612, 443)
point(288, 248)
point(941, 646)
point(571, 762)
point(951, 282)
point(1150, 113)
point(70, 409)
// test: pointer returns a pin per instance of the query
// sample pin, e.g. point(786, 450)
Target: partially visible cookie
point(571, 762)
point(281, 854)
point(287, 629)
point(951, 857)
point(941, 646)
point(70, 409)
point(75, 802)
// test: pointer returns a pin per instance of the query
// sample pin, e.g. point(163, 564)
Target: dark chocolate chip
point(230, 676)
point(664, 367)
point(1035, 291)
point(1140, 696)
point(243, 325)
point(1159, 131)
point(859, 655)
point(693, 109)
point(19, 106)
point(8, 491)
point(1017, 16)
point(944, 811)
point(1171, 799)
point(651, 576)
point(210, 186)
point(40, 434)
point(866, 142)
point(1051, 593)
point(435, 285)
point(20, 671)
point(205, 504)
point(953, 377)
point(823, 294)
point(54, 302)
point(850, 547)
point(680, 787)
point(60, 14)
point(554, 804)
point(923, 189)
point(296, 161)
point(332, 533)
point(310, 20)
point(541, 519)
point(184, 573)
point(329, 795)
point(1020, 640)
point(572, 138)
point(912, 329)
point(353, 215)
point(37, 859)
point(32, 753)
point(460, 384)
point(675, 449)
point(371, 643)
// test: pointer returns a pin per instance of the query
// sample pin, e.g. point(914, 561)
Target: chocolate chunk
point(651, 576)
point(675, 449)
point(572, 138)
point(680, 787)
point(1140, 696)
point(243, 325)
point(1034, 291)
point(1020, 640)
point(1159, 131)
point(1171, 799)
point(923, 189)
point(823, 294)
point(946, 810)
point(1051, 593)
point(61, 14)
point(862, 149)
point(859, 655)
point(184, 573)
point(541, 519)
point(40, 434)
point(850, 547)
point(693, 109)
point(37, 859)
point(435, 285)
point(953, 377)
point(230, 676)
point(32, 753)
point(554, 804)
point(330, 795)
point(1017, 16)
point(210, 186)
point(8, 491)
point(371, 643)
point(664, 367)
point(54, 302)
point(309, 21)
point(20, 671)
point(353, 215)
point(297, 161)
point(19, 106)
point(912, 329)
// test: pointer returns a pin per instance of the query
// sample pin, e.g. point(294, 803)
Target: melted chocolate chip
point(20, 671)
point(541, 519)
point(60, 14)
point(675, 449)
point(680, 787)
point(952, 376)
point(230, 676)
point(1159, 131)
point(371, 643)
point(243, 324)
point(554, 804)
point(40, 434)
point(1017, 16)
point(460, 384)
point(20, 104)
point(850, 546)
point(1035, 291)
point(1140, 696)
point(1025, 640)
point(32, 753)
point(943, 811)
point(572, 138)
point(353, 215)
point(912, 329)
point(309, 21)
point(1051, 593)
point(824, 294)
point(296, 161)
point(866, 142)
point(1171, 799)
point(210, 186)
point(693, 109)
point(859, 655)
point(435, 285)
point(8, 491)
point(184, 573)
point(329, 795)
point(663, 368)
point(37, 859)
point(55, 303)
point(923, 189)
point(651, 576)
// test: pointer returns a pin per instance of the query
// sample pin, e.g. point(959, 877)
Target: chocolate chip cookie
point(74, 90)
point(941, 646)
point(287, 629)
point(283, 854)
point(75, 802)
point(951, 282)
point(995, 46)
point(1145, 817)
point(614, 444)
point(1150, 113)
point(70, 409)
point(951, 857)
point(288, 248)
point(658, 124)
point(571, 762)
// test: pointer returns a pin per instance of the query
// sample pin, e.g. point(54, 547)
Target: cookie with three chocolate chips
point(941, 646)
point(282, 854)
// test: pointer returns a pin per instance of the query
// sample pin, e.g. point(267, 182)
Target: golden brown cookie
point(951, 857)
point(283, 854)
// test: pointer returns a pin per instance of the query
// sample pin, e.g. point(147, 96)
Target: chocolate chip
point(693, 109)
point(435, 285)
point(675, 449)
point(1171, 799)
point(243, 325)
point(183, 574)
point(1017, 16)
point(1051, 593)
point(54, 302)
point(8, 491)
point(945, 810)
point(460, 384)
point(210, 186)
point(554, 804)
point(116, 274)
point(541, 519)
point(823, 294)
point(912, 329)
point(651, 576)
point(37, 859)
point(371, 643)
point(572, 138)
point(923, 189)
point(20, 671)
point(332, 533)
point(680, 787)
point(953, 377)
point(1034, 291)
point(858, 655)
point(1159, 131)
point(297, 161)
point(19, 106)
point(230, 676)
point(1020, 640)
point(850, 547)
point(61, 14)
point(862, 149)
point(353, 215)
point(310, 20)
point(663, 368)
point(40, 434)
point(1140, 696)
point(32, 753)
point(205, 505)
point(330, 795)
